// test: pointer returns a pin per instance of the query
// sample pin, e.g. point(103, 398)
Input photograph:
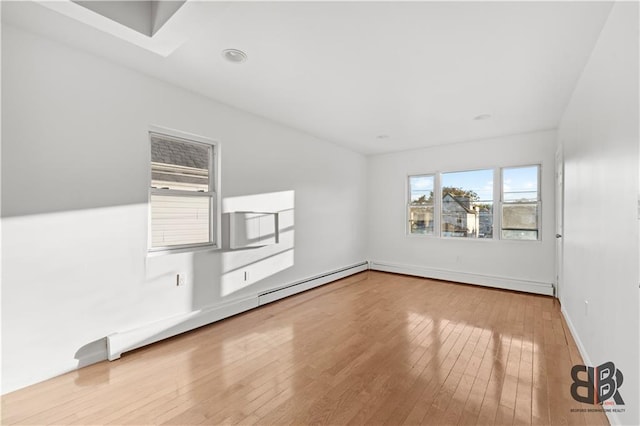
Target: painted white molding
point(309, 283)
point(118, 343)
point(613, 417)
point(576, 337)
point(505, 283)
point(99, 354)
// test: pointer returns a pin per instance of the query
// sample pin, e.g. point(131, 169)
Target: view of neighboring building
point(460, 218)
point(486, 222)
point(421, 217)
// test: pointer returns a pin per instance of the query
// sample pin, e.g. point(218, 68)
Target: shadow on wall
point(220, 276)
point(65, 275)
point(241, 269)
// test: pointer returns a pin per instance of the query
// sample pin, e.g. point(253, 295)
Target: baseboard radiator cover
point(118, 343)
point(309, 283)
point(121, 342)
point(535, 287)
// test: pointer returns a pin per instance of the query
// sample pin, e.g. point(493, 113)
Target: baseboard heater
point(527, 286)
point(309, 283)
point(121, 342)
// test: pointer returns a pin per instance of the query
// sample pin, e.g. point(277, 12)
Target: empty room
point(338, 212)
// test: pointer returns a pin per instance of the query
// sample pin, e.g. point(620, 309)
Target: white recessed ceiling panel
point(418, 73)
point(134, 21)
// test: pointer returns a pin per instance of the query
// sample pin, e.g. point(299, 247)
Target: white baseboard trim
point(612, 416)
point(576, 337)
point(465, 277)
point(118, 343)
point(309, 283)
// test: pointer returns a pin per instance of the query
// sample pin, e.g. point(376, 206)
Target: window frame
point(493, 203)
point(213, 193)
point(498, 202)
point(436, 220)
point(538, 201)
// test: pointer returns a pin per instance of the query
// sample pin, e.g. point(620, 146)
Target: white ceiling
point(349, 72)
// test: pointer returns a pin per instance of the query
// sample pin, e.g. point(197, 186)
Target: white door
point(559, 220)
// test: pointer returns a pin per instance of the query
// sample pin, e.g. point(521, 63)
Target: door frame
point(559, 223)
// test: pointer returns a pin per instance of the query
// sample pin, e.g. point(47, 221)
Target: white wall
point(531, 261)
point(599, 132)
point(74, 203)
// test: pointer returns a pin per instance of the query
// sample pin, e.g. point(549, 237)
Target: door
point(559, 221)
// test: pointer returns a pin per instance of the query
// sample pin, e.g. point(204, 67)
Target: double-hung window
point(521, 203)
point(461, 204)
point(421, 212)
point(467, 204)
point(183, 192)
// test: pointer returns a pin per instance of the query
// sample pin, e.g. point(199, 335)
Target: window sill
point(488, 240)
point(163, 252)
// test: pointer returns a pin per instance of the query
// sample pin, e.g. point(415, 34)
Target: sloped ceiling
point(372, 76)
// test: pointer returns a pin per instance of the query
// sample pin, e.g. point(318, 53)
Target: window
point(461, 204)
point(521, 203)
point(183, 192)
point(467, 204)
point(421, 204)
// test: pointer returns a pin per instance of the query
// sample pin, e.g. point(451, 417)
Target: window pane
point(520, 216)
point(421, 204)
point(179, 165)
point(520, 184)
point(177, 220)
point(421, 219)
point(467, 204)
point(519, 235)
point(421, 188)
point(521, 205)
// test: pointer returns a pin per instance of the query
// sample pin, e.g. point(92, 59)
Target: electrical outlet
point(181, 279)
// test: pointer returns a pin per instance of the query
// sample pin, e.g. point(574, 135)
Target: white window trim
point(215, 219)
point(437, 205)
point(493, 235)
point(497, 204)
point(436, 220)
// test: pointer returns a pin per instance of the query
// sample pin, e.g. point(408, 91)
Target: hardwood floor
point(374, 348)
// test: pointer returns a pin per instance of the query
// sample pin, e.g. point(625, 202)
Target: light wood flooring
point(374, 348)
